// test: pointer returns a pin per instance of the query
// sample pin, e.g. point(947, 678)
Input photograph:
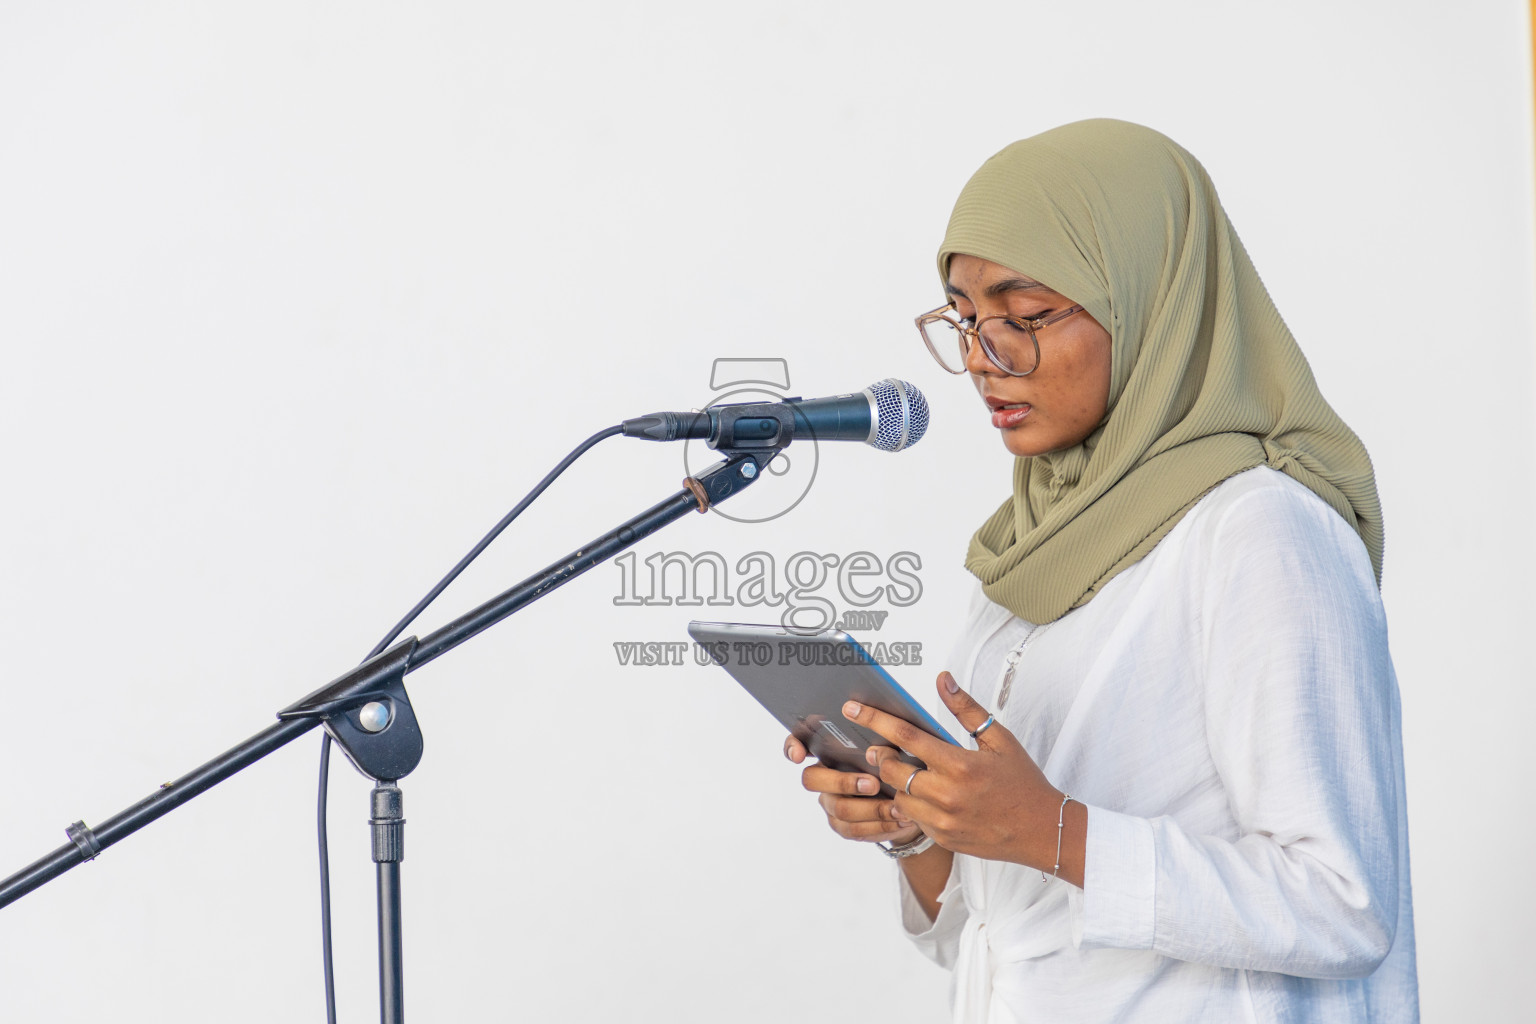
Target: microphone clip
point(754, 427)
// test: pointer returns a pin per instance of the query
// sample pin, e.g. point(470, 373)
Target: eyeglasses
point(1009, 341)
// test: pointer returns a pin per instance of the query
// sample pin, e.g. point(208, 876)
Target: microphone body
point(891, 415)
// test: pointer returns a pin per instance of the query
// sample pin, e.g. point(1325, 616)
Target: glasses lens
point(1012, 345)
point(946, 343)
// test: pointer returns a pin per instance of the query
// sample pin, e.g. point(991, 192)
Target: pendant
point(1012, 662)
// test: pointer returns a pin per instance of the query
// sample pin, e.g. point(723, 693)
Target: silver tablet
point(803, 679)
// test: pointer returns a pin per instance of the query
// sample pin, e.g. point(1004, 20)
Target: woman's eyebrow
point(1008, 284)
point(1012, 284)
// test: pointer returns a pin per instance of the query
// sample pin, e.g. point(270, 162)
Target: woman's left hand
point(993, 802)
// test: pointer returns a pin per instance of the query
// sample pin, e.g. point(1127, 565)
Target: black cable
point(325, 880)
point(325, 741)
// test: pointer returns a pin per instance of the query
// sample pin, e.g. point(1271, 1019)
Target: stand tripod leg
point(388, 825)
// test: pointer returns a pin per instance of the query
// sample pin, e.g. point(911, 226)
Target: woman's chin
point(1019, 442)
point(1028, 440)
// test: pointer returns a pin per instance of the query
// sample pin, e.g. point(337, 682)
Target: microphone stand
point(368, 713)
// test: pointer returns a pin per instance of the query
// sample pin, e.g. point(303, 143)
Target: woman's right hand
point(851, 801)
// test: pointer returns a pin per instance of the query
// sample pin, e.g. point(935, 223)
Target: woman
point(1184, 799)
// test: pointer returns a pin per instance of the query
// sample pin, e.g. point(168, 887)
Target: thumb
point(965, 709)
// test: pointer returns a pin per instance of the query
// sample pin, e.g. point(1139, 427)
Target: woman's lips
point(1010, 415)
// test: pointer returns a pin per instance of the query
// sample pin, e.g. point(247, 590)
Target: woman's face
point(1066, 397)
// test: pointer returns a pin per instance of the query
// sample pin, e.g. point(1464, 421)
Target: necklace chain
point(1014, 657)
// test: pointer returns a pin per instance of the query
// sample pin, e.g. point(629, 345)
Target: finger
point(871, 830)
point(902, 776)
point(878, 755)
point(963, 706)
point(900, 733)
point(856, 808)
point(818, 778)
point(794, 750)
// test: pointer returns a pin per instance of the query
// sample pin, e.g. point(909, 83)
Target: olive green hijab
point(1205, 380)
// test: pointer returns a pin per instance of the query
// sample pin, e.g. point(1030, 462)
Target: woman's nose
point(976, 360)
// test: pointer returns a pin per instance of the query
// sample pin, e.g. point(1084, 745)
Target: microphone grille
point(901, 415)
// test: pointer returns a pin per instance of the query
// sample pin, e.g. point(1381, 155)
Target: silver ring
point(908, 787)
point(983, 728)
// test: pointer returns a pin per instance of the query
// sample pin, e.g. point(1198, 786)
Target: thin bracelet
point(1061, 820)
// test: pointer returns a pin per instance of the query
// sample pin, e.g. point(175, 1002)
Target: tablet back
point(803, 680)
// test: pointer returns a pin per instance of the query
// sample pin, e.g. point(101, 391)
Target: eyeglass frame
point(974, 333)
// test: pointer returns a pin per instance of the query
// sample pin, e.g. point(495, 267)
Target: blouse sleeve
point(939, 939)
point(1302, 722)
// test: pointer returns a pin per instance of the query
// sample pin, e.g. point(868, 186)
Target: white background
point(297, 299)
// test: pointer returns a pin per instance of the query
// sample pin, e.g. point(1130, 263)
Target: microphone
point(891, 415)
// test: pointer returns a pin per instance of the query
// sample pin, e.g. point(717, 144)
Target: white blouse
point(1226, 708)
